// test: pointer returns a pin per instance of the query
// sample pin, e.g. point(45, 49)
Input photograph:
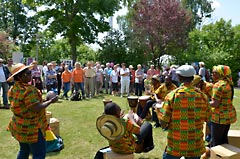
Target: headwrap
point(224, 72)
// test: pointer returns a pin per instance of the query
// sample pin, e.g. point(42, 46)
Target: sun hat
point(156, 77)
point(110, 127)
point(130, 66)
point(186, 71)
point(17, 68)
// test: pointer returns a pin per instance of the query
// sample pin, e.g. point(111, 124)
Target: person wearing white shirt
point(125, 79)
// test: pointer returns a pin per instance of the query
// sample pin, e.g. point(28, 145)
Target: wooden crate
point(54, 125)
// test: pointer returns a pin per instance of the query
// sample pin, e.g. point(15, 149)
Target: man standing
point(183, 113)
point(4, 74)
point(89, 79)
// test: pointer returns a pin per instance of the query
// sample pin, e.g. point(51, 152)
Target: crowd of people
point(181, 99)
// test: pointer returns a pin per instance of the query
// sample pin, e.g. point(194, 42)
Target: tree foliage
point(215, 44)
point(201, 10)
point(78, 21)
point(6, 46)
point(161, 26)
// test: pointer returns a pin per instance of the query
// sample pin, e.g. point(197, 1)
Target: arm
point(214, 103)
point(39, 106)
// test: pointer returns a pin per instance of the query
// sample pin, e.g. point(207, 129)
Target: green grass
point(78, 130)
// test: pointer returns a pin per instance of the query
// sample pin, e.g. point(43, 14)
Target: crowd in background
point(94, 78)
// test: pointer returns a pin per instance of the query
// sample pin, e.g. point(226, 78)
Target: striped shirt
point(183, 114)
point(225, 113)
point(25, 123)
point(126, 145)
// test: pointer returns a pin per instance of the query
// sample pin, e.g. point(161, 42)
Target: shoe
point(121, 96)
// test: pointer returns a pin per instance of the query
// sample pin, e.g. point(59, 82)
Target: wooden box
point(225, 151)
point(48, 116)
point(234, 138)
point(54, 125)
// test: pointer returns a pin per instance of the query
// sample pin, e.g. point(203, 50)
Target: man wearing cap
point(183, 114)
point(4, 74)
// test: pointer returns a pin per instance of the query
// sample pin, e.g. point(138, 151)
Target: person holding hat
point(28, 123)
point(120, 131)
point(224, 113)
point(183, 113)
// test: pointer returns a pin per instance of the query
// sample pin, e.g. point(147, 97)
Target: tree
point(161, 26)
point(215, 44)
point(201, 9)
point(113, 48)
point(6, 46)
point(78, 21)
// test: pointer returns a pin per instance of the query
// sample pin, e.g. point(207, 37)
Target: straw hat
point(17, 68)
point(110, 127)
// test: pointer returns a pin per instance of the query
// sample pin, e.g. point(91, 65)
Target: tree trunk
point(73, 45)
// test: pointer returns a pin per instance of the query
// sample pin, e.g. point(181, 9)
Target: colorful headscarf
point(224, 72)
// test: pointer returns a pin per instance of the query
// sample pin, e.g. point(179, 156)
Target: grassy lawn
point(78, 129)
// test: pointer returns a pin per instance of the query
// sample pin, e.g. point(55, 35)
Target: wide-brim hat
point(110, 127)
point(16, 69)
point(156, 77)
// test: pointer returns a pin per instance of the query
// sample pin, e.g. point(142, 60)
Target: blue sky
point(226, 9)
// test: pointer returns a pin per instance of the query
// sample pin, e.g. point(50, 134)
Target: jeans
point(219, 134)
point(37, 149)
point(168, 156)
point(79, 86)
point(4, 86)
point(138, 89)
point(66, 88)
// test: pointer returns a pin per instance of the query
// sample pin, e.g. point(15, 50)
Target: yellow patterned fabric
point(224, 72)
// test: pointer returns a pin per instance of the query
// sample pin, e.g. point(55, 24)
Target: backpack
point(76, 96)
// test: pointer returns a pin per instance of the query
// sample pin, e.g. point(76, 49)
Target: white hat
point(186, 71)
point(110, 127)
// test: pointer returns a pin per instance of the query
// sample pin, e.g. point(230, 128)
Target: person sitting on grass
point(128, 135)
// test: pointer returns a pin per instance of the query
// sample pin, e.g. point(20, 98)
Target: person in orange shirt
point(66, 79)
point(77, 78)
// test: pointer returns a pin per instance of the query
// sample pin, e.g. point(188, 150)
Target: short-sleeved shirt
point(207, 89)
point(66, 76)
point(225, 113)
point(162, 91)
point(50, 81)
point(126, 144)
point(184, 112)
point(77, 75)
point(25, 123)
